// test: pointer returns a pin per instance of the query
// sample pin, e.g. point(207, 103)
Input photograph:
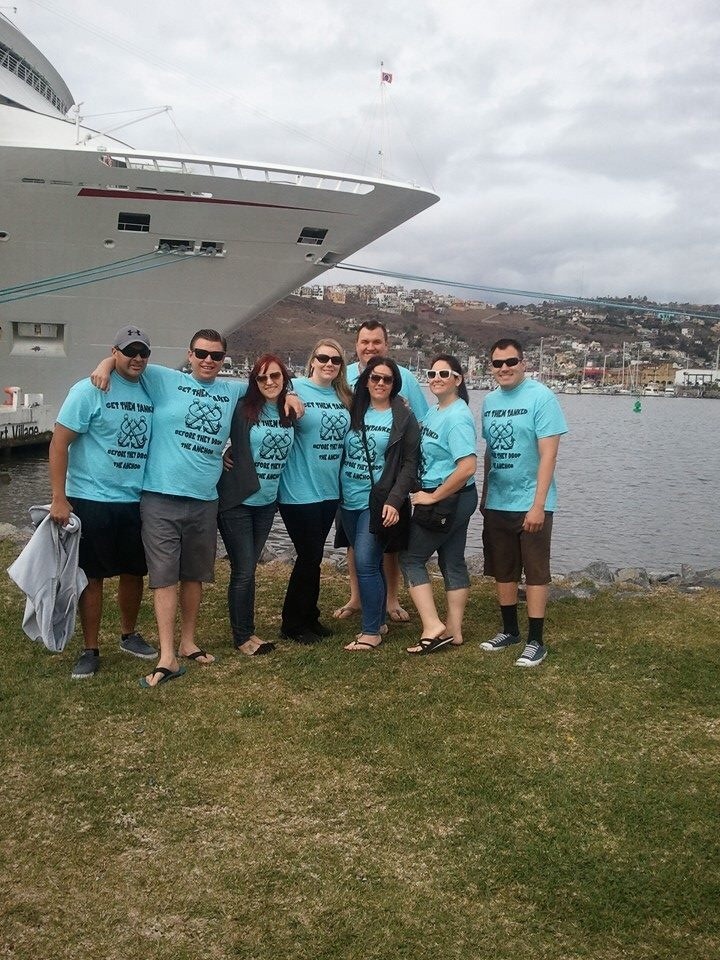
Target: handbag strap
point(367, 457)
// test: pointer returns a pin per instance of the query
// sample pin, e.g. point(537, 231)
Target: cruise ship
point(95, 234)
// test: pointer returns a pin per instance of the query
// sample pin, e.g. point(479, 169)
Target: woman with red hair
point(261, 436)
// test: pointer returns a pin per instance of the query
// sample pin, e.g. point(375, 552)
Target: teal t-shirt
point(411, 389)
point(512, 423)
point(270, 444)
point(106, 462)
point(312, 472)
point(447, 434)
point(355, 475)
point(191, 427)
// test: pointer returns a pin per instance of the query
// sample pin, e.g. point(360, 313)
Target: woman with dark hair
point(379, 464)
point(443, 506)
point(310, 486)
point(261, 435)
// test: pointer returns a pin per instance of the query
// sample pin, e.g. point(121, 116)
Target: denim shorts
point(449, 545)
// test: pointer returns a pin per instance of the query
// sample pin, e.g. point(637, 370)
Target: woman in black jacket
point(379, 470)
point(261, 436)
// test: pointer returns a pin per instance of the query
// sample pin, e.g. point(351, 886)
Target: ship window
point(139, 222)
point(211, 248)
point(29, 339)
point(312, 235)
point(32, 180)
point(176, 246)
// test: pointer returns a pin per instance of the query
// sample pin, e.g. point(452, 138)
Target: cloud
point(573, 144)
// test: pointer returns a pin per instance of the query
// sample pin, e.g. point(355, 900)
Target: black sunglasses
point(273, 377)
point(131, 352)
point(326, 358)
point(443, 374)
point(509, 362)
point(387, 378)
point(215, 355)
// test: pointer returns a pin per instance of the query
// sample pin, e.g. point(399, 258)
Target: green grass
point(319, 804)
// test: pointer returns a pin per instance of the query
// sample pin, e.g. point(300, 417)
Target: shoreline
point(583, 583)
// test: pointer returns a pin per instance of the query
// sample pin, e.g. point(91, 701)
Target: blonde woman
point(310, 484)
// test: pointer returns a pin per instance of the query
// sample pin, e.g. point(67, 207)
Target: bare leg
point(391, 565)
point(165, 603)
point(130, 591)
point(537, 597)
point(352, 604)
point(191, 592)
point(456, 603)
point(90, 608)
point(507, 593)
point(422, 597)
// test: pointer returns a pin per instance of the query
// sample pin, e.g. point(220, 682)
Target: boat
point(652, 390)
point(95, 234)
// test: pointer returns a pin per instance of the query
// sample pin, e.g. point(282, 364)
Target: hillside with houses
point(636, 344)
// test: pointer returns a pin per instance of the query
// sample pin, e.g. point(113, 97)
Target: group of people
point(154, 461)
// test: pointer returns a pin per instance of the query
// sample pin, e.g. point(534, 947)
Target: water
point(635, 489)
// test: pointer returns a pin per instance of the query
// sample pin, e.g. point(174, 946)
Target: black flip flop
point(429, 645)
point(165, 676)
point(196, 656)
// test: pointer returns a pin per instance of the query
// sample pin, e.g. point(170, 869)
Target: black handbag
point(437, 516)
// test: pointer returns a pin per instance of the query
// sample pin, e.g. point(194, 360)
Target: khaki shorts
point(509, 549)
point(180, 538)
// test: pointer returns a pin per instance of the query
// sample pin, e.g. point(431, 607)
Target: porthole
point(109, 244)
point(4, 235)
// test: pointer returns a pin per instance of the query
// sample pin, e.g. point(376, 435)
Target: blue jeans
point(244, 531)
point(449, 544)
point(369, 567)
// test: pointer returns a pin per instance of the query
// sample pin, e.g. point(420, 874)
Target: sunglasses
point(386, 378)
point(508, 362)
point(132, 352)
point(273, 377)
point(326, 358)
point(215, 355)
point(443, 374)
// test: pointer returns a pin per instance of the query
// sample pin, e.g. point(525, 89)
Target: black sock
point(535, 629)
point(510, 620)
point(92, 650)
point(124, 636)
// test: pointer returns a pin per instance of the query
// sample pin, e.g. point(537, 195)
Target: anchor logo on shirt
point(501, 436)
point(204, 416)
point(356, 450)
point(275, 446)
point(333, 426)
point(133, 432)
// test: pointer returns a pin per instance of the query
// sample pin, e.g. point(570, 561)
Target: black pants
point(308, 525)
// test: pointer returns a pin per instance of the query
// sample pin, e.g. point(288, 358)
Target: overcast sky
point(574, 143)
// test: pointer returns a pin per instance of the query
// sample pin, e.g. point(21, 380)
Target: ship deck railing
point(253, 172)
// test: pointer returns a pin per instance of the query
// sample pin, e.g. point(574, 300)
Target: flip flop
point(263, 648)
point(165, 675)
point(196, 656)
point(428, 645)
point(360, 645)
point(345, 612)
point(398, 615)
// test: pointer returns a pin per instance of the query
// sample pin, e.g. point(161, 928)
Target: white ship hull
point(72, 212)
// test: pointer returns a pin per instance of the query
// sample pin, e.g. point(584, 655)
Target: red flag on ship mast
point(385, 77)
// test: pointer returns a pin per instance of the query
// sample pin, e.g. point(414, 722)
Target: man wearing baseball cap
point(97, 465)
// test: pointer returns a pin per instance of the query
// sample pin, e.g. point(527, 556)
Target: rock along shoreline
point(579, 584)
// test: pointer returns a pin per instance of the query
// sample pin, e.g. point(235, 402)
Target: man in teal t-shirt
point(372, 341)
point(522, 423)
point(97, 461)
